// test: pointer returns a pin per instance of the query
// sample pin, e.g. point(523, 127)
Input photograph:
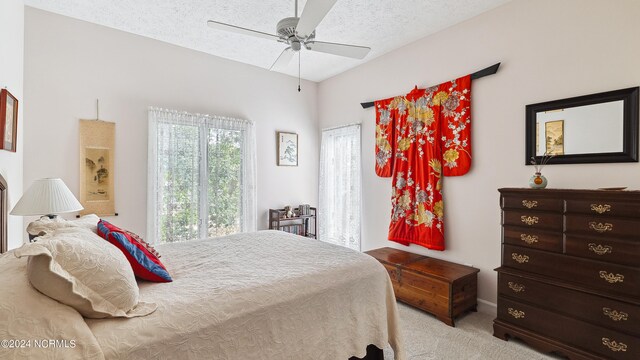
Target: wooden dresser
point(440, 287)
point(570, 276)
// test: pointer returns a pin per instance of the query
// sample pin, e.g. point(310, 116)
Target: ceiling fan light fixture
point(286, 27)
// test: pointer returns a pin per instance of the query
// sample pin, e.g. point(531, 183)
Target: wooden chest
point(442, 288)
point(570, 276)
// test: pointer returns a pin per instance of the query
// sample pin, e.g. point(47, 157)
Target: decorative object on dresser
point(570, 276)
point(300, 223)
point(8, 121)
point(537, 180)
point(439, 287)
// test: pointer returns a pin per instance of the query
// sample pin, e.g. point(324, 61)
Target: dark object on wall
point(4, 214)
point(439, 287)
point(299, 224)
point(8, 121)
point(476, 75)
point(605, 113)
point(570, 272)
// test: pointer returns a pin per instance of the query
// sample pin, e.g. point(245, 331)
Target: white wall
point(70, 63)
point(549, 50)
point(11, 77)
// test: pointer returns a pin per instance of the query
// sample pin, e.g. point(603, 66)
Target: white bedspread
point(265, 295)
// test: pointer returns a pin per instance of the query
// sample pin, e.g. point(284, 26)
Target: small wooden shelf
point(303, 225)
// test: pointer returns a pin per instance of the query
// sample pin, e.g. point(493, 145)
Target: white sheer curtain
point(201, 176)
point(340, 187)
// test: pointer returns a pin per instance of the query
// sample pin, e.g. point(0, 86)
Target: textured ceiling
point(383, 25)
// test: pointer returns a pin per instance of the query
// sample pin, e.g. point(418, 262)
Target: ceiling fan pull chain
point(298, 71)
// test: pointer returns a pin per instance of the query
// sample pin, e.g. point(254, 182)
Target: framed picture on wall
point(8, 120)
point(287, 149)
point(554, 135)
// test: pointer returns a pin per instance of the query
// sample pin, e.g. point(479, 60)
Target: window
point(201, 176)
point(340, 187)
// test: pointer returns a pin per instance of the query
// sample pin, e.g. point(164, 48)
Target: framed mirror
point(597, 128)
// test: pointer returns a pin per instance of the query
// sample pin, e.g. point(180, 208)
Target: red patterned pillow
point(144, 259)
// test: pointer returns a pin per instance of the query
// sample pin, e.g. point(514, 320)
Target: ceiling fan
point(298, 32)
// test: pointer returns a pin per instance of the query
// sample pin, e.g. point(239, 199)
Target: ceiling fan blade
point(240, 30)
point(352, 51)
point(283, 59)
point(313, 13)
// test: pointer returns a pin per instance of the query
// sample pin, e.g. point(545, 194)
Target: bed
point(263, 295)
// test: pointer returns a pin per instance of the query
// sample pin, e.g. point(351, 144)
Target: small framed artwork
point(8, 120)
point(287, 149)
point(554, 134)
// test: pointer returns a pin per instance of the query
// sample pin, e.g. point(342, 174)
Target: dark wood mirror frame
point(630, 127)
point(4, 213)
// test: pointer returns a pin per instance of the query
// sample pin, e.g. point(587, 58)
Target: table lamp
point(47, 197)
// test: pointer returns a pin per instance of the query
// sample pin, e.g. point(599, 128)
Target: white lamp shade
point(45, 197)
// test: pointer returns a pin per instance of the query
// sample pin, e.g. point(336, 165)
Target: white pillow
point(89, 221)
point(80, 269)
point(26, 314)
point(45, 224)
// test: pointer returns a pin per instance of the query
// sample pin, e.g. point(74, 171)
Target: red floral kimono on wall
point(421, 137)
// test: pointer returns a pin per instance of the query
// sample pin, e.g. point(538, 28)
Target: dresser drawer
point(533, 219)
point(595, 274)
point(603, 208)
point(626, 252)
point(532, 203)
point(605, 342)
point(533, 238)
point(603, 226)
point(617, 315)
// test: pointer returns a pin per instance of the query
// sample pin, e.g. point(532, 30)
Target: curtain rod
point(341, 126)
point(476, 75)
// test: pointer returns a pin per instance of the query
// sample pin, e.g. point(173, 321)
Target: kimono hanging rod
point(476, 75)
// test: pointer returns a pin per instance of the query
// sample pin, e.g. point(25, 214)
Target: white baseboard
point(487, 307)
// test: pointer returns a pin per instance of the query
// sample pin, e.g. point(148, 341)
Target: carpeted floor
point(426, 338)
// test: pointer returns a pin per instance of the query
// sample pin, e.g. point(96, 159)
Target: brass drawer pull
point(611, 277)
point(529, 220)
point(520, 258)
point(516, 287)
point(529, 203)
point(615, 315)
point(600, 208)
point(600, 227)
point(600, 249)
point(516, 313)
point(614, 345)
point(529, 239)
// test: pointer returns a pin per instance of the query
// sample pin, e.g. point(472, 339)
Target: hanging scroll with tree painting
point(97, 145)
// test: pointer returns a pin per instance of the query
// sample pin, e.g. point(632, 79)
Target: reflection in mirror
point(596, 128)
point(587, 129)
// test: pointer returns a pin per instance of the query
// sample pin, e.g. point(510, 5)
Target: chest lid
point(441, 269)
point(394, 257)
